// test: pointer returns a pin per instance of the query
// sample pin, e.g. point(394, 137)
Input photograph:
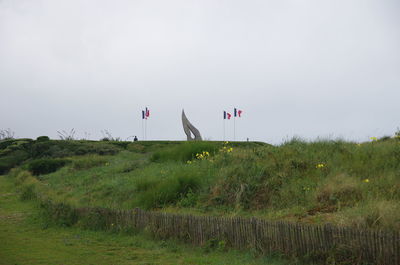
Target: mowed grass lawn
point(24, 239)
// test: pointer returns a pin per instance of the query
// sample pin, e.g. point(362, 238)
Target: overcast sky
point(306, 68)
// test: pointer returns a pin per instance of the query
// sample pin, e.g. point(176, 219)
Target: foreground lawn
point(26, 240)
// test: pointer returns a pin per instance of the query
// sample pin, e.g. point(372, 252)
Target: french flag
point(145, 114)
point(237, 112)
point(227, 115)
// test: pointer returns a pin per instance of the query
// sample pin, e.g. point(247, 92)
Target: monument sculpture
point(190, 129)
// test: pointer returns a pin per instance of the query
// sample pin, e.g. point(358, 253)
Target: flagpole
point(234, 128)
point(223, 121)
point(142, 129)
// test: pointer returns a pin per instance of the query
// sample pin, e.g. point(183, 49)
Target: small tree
point(107, 136)
point(397, 134)
point(6, 134)
point(67, 135)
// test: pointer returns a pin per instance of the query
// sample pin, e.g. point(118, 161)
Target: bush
point(42, 139)
point(20, 175)
point(11, 160)
point(46, 165)
point(189, 200)
point(60, 148)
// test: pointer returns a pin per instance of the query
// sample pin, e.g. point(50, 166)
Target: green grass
point(332, 181)
point(184, 152)
point(26, 239)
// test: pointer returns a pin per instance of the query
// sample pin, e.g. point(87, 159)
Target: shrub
point(20, 175)
point(60, 148)
point(5, 143)
point(7, 147)
point(11, 160)
point(42, 139)
point(46, 165)
point(189, 200)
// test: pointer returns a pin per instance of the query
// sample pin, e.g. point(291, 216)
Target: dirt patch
point(7, 194)
point(323, 209)
point(12, 217)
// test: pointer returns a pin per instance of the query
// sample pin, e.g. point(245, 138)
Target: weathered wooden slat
point(265, 236)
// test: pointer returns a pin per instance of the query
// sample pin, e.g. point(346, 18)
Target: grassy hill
point(315, 182)
point(29, 239)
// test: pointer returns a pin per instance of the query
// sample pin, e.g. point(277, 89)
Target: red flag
point(239, 113)
point(229, 115)
point(147, 113)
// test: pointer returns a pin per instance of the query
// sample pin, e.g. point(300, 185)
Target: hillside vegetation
point(315, 182)
point(28, 238)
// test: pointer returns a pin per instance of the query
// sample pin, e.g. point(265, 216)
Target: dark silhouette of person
point(135, 139)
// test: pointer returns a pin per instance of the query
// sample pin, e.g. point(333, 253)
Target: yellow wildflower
point(366, 180)
point(320, 165)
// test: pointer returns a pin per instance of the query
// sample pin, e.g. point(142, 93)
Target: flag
point(237, 112)
point(227, 115)
point(147, 113)
point(143, 115)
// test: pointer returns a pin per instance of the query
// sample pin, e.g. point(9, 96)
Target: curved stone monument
point(190, 129)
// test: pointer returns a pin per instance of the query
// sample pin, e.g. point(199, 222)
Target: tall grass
point(184, 152)
point(308, 181)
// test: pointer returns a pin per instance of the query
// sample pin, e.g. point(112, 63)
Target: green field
point(25, 239)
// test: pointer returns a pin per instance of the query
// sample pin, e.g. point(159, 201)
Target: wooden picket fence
point(293, 239)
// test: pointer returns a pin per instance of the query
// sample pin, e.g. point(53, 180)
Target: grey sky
point(306, 68)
